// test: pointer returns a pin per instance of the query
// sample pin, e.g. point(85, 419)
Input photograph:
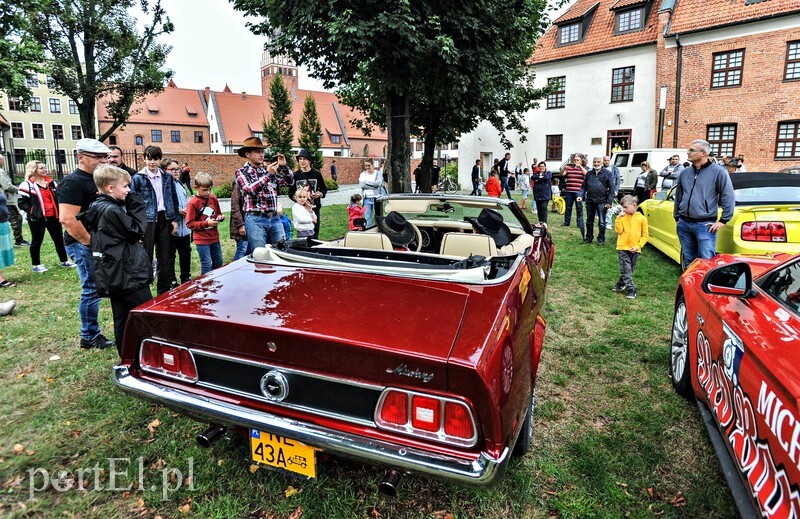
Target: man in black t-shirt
point(75, 194)
point(312, 180)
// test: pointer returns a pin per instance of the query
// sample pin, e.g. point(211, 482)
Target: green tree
point(457, 68)
point(19, 53)
point(95, 53)
point(311, 131)
point(278, 131)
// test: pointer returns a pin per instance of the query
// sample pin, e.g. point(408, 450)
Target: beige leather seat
point(367, 240)
point(461, 245)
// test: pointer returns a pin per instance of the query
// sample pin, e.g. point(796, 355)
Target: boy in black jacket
point(117, 221)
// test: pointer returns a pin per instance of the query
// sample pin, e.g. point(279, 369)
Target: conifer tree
point(278, 131)
point(311, 131)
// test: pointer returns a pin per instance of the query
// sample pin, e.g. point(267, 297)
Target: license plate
point(284, 453)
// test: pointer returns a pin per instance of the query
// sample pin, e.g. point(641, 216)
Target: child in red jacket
point(493, 187)
point(356, 210)
point(203, 216)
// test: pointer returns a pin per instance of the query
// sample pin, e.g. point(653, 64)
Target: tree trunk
point(87, 120)
point(398, 150)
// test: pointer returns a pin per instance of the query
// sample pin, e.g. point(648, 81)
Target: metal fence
point(59, 162)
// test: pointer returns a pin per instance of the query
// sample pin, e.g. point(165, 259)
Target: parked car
point(629, 163)
point(766, 218)
point(422, 361)
point(734, 349)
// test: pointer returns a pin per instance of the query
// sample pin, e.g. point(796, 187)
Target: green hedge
point(223, 190)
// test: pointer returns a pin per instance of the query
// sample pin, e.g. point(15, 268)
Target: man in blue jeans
point(75, 195)
point(701, 189)
point(259, 187)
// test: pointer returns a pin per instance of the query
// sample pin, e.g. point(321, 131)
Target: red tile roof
point(172, 106)
point(243, 114)
point(600, 34)
point(691, 16)
point(620, 4)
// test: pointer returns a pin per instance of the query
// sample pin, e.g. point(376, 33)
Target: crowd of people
point(705, 180)
point(124, 228)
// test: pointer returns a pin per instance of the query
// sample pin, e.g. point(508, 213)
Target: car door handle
point(700, 320)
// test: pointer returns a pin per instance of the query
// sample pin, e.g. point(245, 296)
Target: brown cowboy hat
point(397, 228)
point(250, 143)
point(491, 222)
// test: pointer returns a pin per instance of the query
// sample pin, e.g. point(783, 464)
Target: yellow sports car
point(766, 218)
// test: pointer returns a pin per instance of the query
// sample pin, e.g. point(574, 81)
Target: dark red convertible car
point(422, 361)
point(736, 349)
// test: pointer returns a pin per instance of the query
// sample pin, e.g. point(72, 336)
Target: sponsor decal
point(739, 423)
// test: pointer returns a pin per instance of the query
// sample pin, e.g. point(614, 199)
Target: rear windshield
point(767, 195)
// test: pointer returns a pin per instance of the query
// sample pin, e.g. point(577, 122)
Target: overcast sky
point(211, 47)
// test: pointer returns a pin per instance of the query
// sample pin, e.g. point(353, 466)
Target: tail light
point(427, 416)
point(167, 360)
point(764, 231)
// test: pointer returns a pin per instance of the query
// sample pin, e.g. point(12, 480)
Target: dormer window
point(630, 21)
point(569, 34)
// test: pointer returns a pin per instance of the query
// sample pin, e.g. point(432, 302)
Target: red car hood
point(398, 317)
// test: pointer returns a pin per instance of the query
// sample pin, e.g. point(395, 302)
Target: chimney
point(206, 94)
point(244, 96)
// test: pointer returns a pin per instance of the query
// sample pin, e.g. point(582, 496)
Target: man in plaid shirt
point(259, 186)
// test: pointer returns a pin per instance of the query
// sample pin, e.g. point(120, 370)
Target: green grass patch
point(611, 437)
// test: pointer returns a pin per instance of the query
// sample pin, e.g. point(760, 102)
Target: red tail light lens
point(425, 413)
point(764, 231)
point(395, 408)
point(167, 360)
point(438, 418)
point(457, 421)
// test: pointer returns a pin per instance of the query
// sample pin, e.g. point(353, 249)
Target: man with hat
point(312, 180)
point(75, 194)
point(399, 230)
point(259, 186)
point(491, 223)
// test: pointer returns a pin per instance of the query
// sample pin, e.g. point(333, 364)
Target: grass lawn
point(611, 437)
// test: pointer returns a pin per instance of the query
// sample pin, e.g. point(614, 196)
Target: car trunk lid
point(298, 318)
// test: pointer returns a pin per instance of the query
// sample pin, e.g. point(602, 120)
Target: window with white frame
point(629, 21)
point(569, 33)
point(722, 138)
point(788, 142)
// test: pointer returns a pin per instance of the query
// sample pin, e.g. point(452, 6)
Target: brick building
point(731, 72)
point(660, 73)
point(174, 120)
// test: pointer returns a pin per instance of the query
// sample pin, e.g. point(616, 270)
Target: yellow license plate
point(284, 453)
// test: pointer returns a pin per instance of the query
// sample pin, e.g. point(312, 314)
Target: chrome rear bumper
point(482, 471)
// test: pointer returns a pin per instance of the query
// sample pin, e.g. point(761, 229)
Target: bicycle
point(447, 185)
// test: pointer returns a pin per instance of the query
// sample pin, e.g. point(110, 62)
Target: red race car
point(422, 359)
point(736, 349)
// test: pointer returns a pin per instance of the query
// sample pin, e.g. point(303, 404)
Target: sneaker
point(618, 288)
point(39, 268)
point(23, 243)
point(69, 264)
point(631, 293)
point(100, 342)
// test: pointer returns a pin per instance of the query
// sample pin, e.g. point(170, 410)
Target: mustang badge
point(403, 371)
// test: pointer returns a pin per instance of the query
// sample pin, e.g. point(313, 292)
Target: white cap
point(91, 146)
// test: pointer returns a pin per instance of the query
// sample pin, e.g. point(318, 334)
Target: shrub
point(283, 190)
point(331, 184)
point(223, 190)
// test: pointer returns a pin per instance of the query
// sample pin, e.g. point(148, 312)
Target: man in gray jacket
point(701, 189)
point(14, 218)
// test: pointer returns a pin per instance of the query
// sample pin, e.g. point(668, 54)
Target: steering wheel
point(418, 239)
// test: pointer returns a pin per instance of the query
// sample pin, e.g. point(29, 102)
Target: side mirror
point(734, 279)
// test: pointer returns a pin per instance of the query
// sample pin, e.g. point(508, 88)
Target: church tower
point(278, 65)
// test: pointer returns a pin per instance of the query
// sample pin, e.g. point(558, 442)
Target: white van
point(629, 164)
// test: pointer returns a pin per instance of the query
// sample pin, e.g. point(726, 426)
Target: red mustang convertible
point(736, 349)
point(421, 360)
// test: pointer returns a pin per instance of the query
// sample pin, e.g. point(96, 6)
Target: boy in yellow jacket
point(632, 234)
